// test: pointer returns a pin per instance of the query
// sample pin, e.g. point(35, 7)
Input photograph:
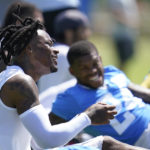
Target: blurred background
point(102, 23)
point(105, 20)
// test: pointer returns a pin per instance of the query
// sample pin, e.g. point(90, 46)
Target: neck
point(30, 70)
point(2, 65)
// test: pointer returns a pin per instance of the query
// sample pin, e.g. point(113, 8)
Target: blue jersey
point(133, 114)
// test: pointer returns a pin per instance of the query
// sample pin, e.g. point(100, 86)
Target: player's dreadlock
point(14, 38)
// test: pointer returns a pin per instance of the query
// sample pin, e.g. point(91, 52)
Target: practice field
point(137, 67)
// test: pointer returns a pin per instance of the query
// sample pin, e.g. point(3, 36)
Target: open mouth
point(94, 78)
point(55, 61)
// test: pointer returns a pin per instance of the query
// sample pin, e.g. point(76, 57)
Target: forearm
point(140, 92)
point(47, 136)
point(54, 119)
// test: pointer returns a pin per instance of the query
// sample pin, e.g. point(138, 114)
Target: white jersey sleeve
point(46, 136)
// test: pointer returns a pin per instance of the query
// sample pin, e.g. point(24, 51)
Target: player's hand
point(101, 113)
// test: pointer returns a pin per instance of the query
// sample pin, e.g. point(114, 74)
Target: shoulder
point(70, 98)
point(20, 82)
point(65, 105)
point(111, 69)
point(69, 92)
point(22, 91)
point(67, 97)
point(116, 76)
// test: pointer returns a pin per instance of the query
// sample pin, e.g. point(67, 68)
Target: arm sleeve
point(46, 136)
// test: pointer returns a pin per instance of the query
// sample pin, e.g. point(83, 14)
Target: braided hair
point(14, 38)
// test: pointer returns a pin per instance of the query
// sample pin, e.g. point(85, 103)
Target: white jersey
point(13, 135)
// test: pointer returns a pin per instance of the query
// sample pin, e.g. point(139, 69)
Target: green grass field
point(137, 67)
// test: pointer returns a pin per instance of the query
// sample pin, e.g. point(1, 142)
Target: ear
point(71, 71)
point(29, 49)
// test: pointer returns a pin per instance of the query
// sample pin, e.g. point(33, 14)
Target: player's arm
point(146, 82)
point(110, 143)
point(23, 94)
point(54, 119)
point(20, 92)
point(140, 91)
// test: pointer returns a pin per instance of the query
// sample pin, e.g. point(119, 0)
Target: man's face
point(88, 70)
point(45, 55)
